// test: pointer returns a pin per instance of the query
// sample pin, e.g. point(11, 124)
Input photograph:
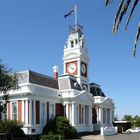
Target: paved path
point(93, 137)
point(114, 137)
point(123, 137)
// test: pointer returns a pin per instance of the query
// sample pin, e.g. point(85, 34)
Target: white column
point(64, 68)
point(26, 109)
point(106, 115)
point(84, 114)
point(77, 114)
point(111, 120)
point(64, 105)
point(11, 110)
point(112, 114)
point(101, 115)
point(97, 112)
point(66, 110)
point(34, 112)
point(73, 114)
point(90, 118)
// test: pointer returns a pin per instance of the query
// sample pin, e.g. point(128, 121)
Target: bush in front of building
point(12, 129)
point(49, 127)
point(51, 136)
point(60, 126)
point(64, 128)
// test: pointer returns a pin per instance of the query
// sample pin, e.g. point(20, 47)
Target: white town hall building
point(42, 97)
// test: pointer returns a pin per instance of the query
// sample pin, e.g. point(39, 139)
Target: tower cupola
point(76, 56)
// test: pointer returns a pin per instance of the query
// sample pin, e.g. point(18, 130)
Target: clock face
point(71, 68)
point(83, 69)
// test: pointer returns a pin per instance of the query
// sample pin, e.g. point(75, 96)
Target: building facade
point(41, 98)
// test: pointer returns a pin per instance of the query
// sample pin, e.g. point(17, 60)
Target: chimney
point(55, 70)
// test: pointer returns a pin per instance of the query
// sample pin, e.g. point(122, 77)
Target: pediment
point(84, 96)
point(108, 102)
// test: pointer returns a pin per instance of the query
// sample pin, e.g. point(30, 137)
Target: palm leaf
point(123, 12)
point(117, 14)
point(136, 40)
point(131, 12)
point(107, 2)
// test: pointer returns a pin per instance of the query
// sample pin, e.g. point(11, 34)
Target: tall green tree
point(122, 10)
point(128, 118)
point(137, 121)
point(8, 81)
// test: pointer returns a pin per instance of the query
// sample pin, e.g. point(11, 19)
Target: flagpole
point(75, 17)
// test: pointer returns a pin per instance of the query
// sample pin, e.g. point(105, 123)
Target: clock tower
point(76, 56)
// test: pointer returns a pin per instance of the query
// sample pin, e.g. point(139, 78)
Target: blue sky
point(33, 34)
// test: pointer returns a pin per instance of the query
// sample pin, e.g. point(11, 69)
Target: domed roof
point(95, 90)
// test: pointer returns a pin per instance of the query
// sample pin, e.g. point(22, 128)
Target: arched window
point(72, 44)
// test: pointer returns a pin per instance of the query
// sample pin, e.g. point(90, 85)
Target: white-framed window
point(77, 115)
point(14, 110)
point(81, 114)
point(51, 111)
point(108, 116)
point(104, 115)
point(42, 113)
point(32, 112)
point(86, 114)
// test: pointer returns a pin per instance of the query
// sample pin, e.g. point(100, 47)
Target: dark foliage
point(12, 128)
point(60, 126)
point(51, 136)
point(50, 126)
point(8, 79)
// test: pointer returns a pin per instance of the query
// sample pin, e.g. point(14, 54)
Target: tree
point(128, 118)
point(122, 10)
point(137, 121)
point(8, 81)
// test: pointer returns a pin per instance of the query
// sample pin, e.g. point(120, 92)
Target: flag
point(71, 12)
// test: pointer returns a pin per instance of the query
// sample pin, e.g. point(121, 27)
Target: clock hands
point(72, 67)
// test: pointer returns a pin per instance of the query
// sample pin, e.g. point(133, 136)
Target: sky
point(33, 34)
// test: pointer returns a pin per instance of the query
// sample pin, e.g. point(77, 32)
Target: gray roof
point(39, 79)
point(68, 82)
point(95, 90)
point(75, 84)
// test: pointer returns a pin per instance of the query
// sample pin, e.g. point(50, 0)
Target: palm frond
point(131, 12)
point(117, 14)
point(123, 12)
point(107, 2)
point(136, 40)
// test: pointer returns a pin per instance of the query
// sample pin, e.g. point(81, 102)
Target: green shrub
point(64, 128)
point(73, 132)
point(12, 128)
point(61, 126)
point(51, 136)
point(50, 126)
